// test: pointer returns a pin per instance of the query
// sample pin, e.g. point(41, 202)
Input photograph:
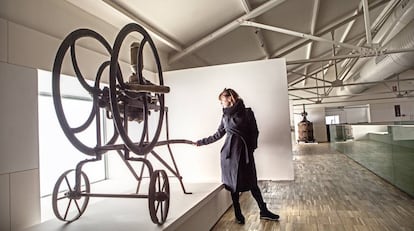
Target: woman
point(237, 161)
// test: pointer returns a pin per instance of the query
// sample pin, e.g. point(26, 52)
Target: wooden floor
point(330, 192)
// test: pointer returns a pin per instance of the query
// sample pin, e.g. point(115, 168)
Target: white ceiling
point(197, 33)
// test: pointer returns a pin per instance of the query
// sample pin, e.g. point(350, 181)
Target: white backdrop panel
point(195, 112)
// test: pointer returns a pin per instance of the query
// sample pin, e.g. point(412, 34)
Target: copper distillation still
point(305, 129)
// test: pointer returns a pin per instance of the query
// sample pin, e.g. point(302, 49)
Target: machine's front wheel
point(159, 197)
point(68, 203)
point(143, 97)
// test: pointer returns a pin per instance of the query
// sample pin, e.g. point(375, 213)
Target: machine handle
point(136, 87)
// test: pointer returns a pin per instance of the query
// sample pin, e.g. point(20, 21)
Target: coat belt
point(237, 133)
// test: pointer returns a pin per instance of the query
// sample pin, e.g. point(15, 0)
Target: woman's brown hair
point(228, 92)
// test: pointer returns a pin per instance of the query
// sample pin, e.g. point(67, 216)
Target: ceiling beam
point(258, 33)
point(347, 30)
point(347, 95)
point(351, 84)
point(325, 54)
point(225, 29)
point(315, 12)
point(309, 77)
point(378, 22)
point(160, 36)
point(329, 64)
point(358, 55)
point(349, 101)
point(315, 72)
point(327, 29)
point(299, 34)
point(367, 22)
point(301, 98)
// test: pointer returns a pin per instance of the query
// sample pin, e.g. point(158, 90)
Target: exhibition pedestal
point(199, 210)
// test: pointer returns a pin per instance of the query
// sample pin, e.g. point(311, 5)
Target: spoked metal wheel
point(68, 203)
point(142, 97)
point(159, 197)
point(75, 129)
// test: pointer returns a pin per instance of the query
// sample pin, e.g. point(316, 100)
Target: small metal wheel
point(159, 197)
point(143, 98)
point(68, 203)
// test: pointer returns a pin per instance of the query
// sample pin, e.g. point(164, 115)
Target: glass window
point(56, 152)
point(334, 119)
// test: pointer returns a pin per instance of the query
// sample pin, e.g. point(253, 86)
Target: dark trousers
point(257, 195)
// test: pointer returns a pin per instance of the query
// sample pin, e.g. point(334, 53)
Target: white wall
point(195, 112)
point(357, 115)
point(380, 112)
point(30, 34)
point(19, 159)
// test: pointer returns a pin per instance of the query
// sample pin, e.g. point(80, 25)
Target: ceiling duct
point(398, 31)
point(398, 19)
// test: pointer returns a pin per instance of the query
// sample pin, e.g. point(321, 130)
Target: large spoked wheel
point(159, 197)
point(68, 203)
point(74, 129)
point(147, 101)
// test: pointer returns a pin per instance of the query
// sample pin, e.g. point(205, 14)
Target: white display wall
point(195, 112)
point(19, 159)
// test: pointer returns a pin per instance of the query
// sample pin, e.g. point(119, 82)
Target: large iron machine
point(123, 102)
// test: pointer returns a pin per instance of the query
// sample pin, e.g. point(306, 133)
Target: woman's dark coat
point(237, 162)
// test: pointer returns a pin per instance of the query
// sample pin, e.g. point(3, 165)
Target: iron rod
point(298, 34)
point(359, 55)
point(351, 84)
point(350, 100)
point(115, 195)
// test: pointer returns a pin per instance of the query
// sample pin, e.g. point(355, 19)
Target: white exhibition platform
point(200, 210)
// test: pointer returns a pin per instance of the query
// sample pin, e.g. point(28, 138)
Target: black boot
point(266, 214)
point(238, 214)
point(237, 211)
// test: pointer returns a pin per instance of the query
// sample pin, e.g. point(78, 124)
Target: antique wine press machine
point(124, 102)
point(305, 129)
